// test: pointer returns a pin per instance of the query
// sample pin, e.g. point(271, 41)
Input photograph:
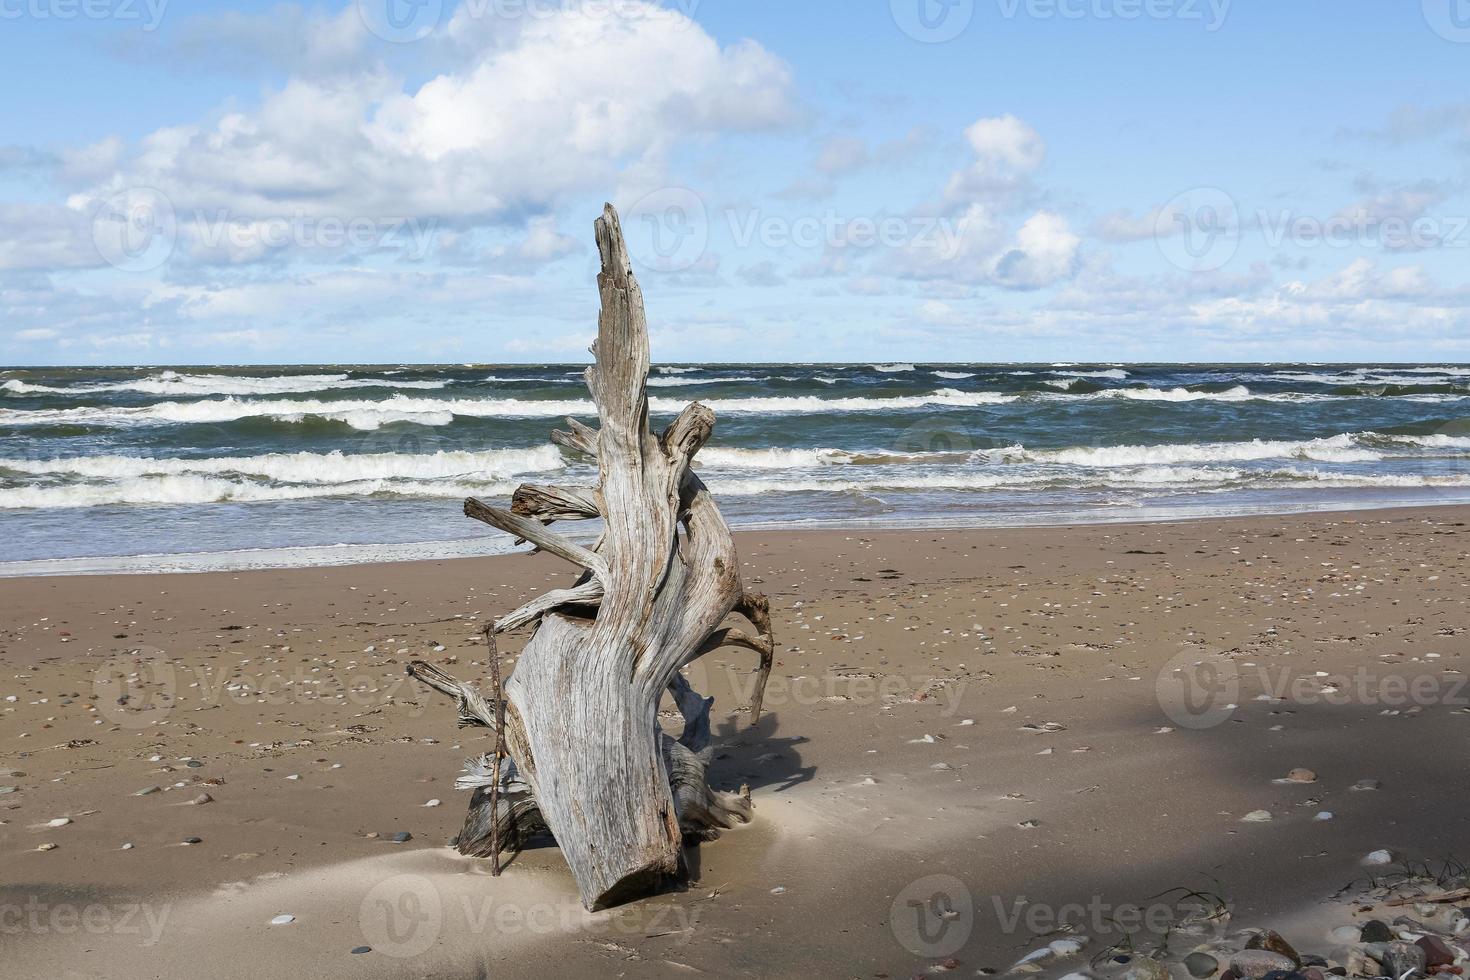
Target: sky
point(386, 181)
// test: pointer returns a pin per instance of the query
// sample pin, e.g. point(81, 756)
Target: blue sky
point(824, 180)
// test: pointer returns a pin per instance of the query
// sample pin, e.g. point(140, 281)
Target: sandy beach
point(1047, 727)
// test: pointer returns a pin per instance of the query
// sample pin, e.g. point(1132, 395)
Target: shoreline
point(492, 545)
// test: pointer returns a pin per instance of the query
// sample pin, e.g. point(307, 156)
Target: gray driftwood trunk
point(588, 758)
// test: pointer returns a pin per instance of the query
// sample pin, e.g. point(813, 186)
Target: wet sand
point(1059, 723)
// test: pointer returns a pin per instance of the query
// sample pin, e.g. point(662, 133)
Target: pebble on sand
point(1256, 816)
point(283, 920)
point(1201, 965)
point(193, 840)
point(1379, 857)
point(402, 837)
point(1301, 776)
point(358, 950)
point(1366, 784)
point(58, 822)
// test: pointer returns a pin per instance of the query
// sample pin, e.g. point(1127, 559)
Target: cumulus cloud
point(553, 112)
point(1007, 152)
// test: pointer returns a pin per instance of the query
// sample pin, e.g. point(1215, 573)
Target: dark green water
point(97, 463)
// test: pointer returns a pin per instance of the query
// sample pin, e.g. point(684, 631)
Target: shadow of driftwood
point(754, 756)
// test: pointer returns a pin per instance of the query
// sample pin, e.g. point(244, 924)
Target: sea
point(189, 468)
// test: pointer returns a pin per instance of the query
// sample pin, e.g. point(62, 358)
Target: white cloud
point(566, 106)
point(1044, 252)
point(1007, 152)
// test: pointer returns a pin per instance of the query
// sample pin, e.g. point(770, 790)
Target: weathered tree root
point(588, 760)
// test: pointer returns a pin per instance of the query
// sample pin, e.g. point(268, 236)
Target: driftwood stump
point(588, 760)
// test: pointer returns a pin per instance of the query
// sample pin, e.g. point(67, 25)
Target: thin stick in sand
point(489, 632)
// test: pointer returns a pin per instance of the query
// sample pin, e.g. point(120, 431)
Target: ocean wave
point(1238, 393)
point(1335, 449)
point(173, 383)
point(192, 489)
point(1115, 374)
point(953, 375)
point(790, 459)
point(425, 411)
point(677, 382)
point(306, 468)
point(902, 368)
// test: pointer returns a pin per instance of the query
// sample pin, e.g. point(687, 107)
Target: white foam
point(431, 411)
point(953, 375)
point(307, 468)
point(894, 368)
point(1239, 393)
point(189, 489)
point(175, 384)
point(1115, 374)
point(677, 382)
point(1336, 449)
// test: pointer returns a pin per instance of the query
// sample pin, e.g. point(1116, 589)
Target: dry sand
point(1000, 708)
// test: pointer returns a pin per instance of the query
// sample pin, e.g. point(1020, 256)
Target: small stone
point(1271, 940)
point(148, 791)
point(1301, 776)
point(47, 847)
point(1436, 951)
point(194, 764)
point(1201, 965)
point(201, 799)
point(433, 803)
point(1323, 815)
point(58, 822)
point(193, 840)
point(1256, 963)
point(1402, 959)
point(1375, 931)
point(1256, 816)
point(1360, 964)
point(1345, 934)
point(402, 837)
point(127, 847)
point(1379, 857)
point(1363, 785)
point(283, 920)
point(358, 950)
point(7, 790)
point(1146, 968)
